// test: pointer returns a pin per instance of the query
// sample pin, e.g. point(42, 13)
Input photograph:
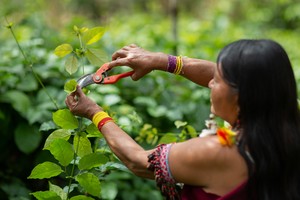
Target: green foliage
point(65, 119)
point(27, 137)
point(86, 38)
point(153, 110)
point(45, 170)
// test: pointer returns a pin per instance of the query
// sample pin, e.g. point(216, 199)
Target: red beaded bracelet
point(104, 121)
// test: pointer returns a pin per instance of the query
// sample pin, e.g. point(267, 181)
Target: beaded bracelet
point(172, 62)
point(175, 64)
point(179, 65)
point(101, 118)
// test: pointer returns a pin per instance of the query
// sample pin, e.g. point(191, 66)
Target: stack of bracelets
point(101, 118)
point(175, 64)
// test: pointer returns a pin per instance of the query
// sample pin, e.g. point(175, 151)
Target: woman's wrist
point(161, 61)
point(101, 118)
point(94, 111)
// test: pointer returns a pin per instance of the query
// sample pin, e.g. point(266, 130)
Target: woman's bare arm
point(143, 61)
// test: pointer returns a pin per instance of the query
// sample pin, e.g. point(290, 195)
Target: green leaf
point(82, 145)
point(57, 134)
point(157, 111)
point(109, 190)
point(114, 166)
point(93, 35)
point(45, 195)
point(90, 183)
point(27, 138)
point(65, 119)
point(71, 64)
point(83, 29)
point(93, 131)
point(19, 100)
point(179, 124)
point(70, 86)
point(96, 56)
point(92, 160)
point(81, 197)
point(191, 131)
point(63, 50)
point(45, 170)
point(47, 126)
point(58, 190)
point(168, 138)
point(62, 151)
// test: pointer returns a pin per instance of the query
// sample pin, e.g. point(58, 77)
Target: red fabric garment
point(197, 193)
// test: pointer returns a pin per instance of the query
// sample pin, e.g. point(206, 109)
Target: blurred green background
point(193, 28)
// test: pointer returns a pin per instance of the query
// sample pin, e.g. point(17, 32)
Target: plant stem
point(30, 64)
point(82, 48)
point(74, 158)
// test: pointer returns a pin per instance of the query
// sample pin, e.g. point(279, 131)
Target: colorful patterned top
point(158, 163)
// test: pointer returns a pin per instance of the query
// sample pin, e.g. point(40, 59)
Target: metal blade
point(85, 80)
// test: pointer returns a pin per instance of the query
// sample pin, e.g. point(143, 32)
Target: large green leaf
point(65, 119)
point(57, 134)
point(96, 56)
point(82, 145)
point(71, 64)
point(93, 35)
point(62, 151)
point(63, 50)
point(45, 195)
point(45, 170)
point(90, 183)
point(27, 137)
point(92, 160)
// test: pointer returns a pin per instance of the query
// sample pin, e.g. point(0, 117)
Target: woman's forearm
point(127, 150)
point(197, 70)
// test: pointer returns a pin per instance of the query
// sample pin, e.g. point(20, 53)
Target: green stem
point(74, 159)
point(82, 47)
point(30, 64)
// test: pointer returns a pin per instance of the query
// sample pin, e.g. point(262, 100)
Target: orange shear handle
point(98, 76)
point(113, 79)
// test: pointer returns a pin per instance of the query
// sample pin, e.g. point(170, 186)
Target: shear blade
point(85, 80)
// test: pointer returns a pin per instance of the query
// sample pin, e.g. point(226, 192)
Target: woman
point(253, 88)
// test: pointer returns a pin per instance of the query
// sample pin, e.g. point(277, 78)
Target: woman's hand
point(140, 60)
point(80, 105)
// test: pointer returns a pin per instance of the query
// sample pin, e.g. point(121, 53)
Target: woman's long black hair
point(269, 116)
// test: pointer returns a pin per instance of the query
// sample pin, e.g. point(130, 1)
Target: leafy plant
point(70, 144)
point(86, 38)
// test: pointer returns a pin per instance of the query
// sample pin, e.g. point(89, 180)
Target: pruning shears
point(101, 77)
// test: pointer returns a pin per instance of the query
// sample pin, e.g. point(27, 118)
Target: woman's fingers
point(79, 92)
point(118, 62)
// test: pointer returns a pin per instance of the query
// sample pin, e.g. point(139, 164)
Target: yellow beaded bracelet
point(179, 65)
point(99, 116)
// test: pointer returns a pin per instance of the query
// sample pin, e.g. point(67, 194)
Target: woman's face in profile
point(224, 100)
